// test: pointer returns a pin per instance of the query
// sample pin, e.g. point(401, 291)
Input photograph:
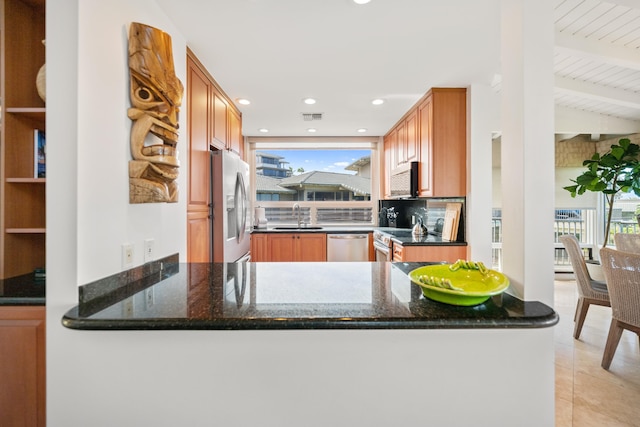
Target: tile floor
point(586, 394)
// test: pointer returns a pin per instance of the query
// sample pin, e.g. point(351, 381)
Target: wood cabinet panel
point(212, 122)
point(198, 237)
point(235, 142)
point(426, 147)
point(312, 247)
point(294, 247)
point(259, 247)
point(447, 253)
point(397, 253)
point(392, 138)
point(199, 187)
point(401, 145)
point(219, 121)
point(434, 133)
point(386, 172)
point(198, 96)
point(22, 367)
point(411, 145)
point(443, 143)
point(282, 247)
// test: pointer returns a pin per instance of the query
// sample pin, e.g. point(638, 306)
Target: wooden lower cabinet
point(259, 248)
point(447, 253)
point(288, 247)
point(22, 366)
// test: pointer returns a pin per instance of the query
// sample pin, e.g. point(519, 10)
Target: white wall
point(88, 214)
point(106, 220)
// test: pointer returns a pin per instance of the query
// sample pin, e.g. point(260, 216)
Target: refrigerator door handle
point(240, 207)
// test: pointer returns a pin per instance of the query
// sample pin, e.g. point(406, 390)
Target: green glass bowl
point(476, 287)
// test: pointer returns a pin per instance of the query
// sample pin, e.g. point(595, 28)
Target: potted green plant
point(616, 171)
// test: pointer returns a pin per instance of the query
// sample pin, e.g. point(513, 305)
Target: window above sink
point(333, 183)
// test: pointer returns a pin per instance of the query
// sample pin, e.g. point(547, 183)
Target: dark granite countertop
point(406, 238)
point(315, 229)
point(399, 235)
point(331, 295)
point(22, 290)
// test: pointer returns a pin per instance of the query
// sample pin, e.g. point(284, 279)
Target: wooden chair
point(627, 242)
point(589, 291)
point(622, 270)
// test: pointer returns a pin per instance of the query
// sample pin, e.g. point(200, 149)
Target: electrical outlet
point(149, 250)
point(127, 255)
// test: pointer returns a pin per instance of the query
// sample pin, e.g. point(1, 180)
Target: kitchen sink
point(293, 227)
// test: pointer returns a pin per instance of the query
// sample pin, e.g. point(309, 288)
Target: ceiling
point(277, 52)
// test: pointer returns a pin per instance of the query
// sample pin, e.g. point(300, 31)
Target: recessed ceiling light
point(309, 101)
point(377, 101)
point(361, 1)
point(362, 130)
point(263, 130)
point(243, 101)
point(311, 130)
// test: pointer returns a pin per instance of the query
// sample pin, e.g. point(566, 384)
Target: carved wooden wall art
point(156, 95)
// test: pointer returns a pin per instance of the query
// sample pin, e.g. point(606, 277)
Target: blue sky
point(320, 160)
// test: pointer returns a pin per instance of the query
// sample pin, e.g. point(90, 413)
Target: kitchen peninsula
point(323, 344)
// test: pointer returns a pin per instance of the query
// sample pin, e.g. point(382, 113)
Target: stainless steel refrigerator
point(231, 213)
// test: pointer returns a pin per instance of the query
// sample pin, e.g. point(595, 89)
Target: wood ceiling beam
point(598, 92)
point(604, 52)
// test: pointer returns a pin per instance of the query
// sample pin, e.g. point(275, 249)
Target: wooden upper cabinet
point(424, 140)
point(411, 139)
point(234, 140)
point(434, 133)
point(391, 140)
point(443, 143)
point(219, 111)
point(198, 98)
point(401, 144)
point(386, 173)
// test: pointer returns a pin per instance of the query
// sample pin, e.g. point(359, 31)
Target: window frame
point(373, 143)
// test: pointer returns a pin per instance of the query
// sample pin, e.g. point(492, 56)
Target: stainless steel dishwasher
point(347, 247)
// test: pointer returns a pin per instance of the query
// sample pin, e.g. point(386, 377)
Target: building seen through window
point(331, 185)
point(278, 180)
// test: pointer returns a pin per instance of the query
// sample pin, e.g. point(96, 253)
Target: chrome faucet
point(297, 206)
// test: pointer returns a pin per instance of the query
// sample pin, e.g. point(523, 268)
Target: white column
point(528, 147)
point(481, 121)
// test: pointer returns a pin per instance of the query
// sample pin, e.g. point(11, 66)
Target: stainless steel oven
point(382, 246)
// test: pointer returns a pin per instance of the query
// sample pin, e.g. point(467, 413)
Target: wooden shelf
point(27, 180)
point(22, 195)
point(26, 230)
point(36, 112)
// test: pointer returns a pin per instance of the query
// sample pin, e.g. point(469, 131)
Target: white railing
point(319, 213)
point(579, 222)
